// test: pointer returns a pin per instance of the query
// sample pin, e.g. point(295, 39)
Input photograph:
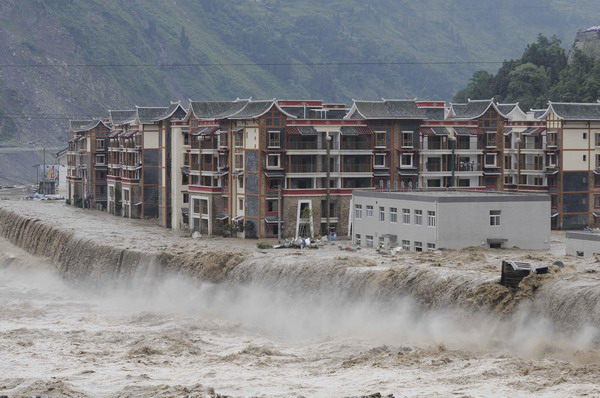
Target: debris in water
point(513, 272)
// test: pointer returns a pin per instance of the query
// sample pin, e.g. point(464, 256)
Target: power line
point(221, 64)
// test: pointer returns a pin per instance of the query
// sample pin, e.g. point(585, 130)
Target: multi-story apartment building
point(87, 163)
point(140, 169)
point(288, 168)
point(573, 160)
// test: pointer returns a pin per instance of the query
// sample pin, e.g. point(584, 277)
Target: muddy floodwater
point(269, 329)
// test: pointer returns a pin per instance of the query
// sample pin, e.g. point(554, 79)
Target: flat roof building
point(431, 220)
point(583, 243)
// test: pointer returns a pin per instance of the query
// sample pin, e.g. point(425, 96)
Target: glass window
point(357, 239)
point(407, 139)
point(274, 139)
point(431, 218)
point(358, 211)
point(431, 246)
point(381, 213)
point(380, 138)
point(393, 214)
point(369, 211)
point(405, 216)
point(418, 217)
point(495, 217)
point(379, 160)
point(418, 246)
point(405, 245)
point(272, 161)
point(406, 160)
point(369, 240)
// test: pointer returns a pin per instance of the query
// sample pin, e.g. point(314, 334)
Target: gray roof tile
point(210, 109)
point(122, 117)
point(84, 125)
point(470, 110)
point(390, 109)
point(575, 111)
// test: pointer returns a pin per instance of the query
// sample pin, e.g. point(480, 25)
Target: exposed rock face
point(588, 41)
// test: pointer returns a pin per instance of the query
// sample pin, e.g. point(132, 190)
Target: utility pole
point(452, 143)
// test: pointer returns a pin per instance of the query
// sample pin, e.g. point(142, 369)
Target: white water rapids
point(175, 337)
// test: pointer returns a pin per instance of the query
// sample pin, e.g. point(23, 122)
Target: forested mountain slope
point(80, 57)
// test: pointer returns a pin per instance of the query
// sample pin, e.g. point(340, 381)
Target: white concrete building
point(583, 243)
point(433, 220)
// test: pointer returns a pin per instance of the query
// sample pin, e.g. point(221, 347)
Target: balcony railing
point(302, 168)
point(357, 168)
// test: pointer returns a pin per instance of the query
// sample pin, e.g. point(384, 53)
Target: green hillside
point(262, 48)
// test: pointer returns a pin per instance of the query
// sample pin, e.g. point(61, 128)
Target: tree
point(480, 87)
point(527, 83)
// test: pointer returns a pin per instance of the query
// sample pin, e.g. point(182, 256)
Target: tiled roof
point(296, 111)
point(576, 111)
point(236, 107)
point(389, 109)
point(253, 109)
point(122, 117)
point(210, 109)
point(470, 110)
point(434, 113)
point(149, 115)
point(505, 109)
point(85, 125)
point(538, 113)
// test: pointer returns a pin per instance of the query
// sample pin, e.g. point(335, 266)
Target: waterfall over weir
point(339, 291)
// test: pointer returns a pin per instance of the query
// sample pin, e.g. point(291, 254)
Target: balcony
point(357, 168)
point(302, 168)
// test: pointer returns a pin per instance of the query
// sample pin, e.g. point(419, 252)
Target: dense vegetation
point(336, 50)
point(540, 75)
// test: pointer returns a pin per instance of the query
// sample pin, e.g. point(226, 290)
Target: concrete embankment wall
point(79, 258)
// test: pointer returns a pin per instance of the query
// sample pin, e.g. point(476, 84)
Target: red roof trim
point(316, 192)
point(449, 123)
point(325, 122)
point(203, 189)
point(524, 124)
point(426, 131)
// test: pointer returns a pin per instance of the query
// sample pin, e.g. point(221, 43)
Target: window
point(369, 240)
point(196, 207)
point(597, 139)
point(100, 144)
point(241, 182)
point(430, 247)
point(380, 138)
point(552, 160)
point(405, 245)
point(272, 205)
point(585, 136)
point(238, 138)
point(431, 218)
point(407, 139)
point(490, 159)
point(186, 198)
point(418, 246)
point(239, 161)
point(584, 158)
point(418, 217)
point(274, 136)
point(99, 159)
point(241, 204)
point(596, 201)
point(405, 216)
point(490, 139)
point(273, 161)
point(358, 211)
point(369, 211)
point(393, 214)
point(381, 213)
point(495, 217)
point(406, 160)
point(357, 239)
point(381, 241)
point(379, 160)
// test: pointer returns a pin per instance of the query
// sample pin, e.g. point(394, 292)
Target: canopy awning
point(348, 130)
point(440, 130)
point(426, 131)
point(507, 130)
point(538, 131)
point(462, 131)
point(205, 130)
point(274, 173)
point(476, 131)
point(115, 133)
point(237, 218)
point(222, 217)
point(130, 133)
